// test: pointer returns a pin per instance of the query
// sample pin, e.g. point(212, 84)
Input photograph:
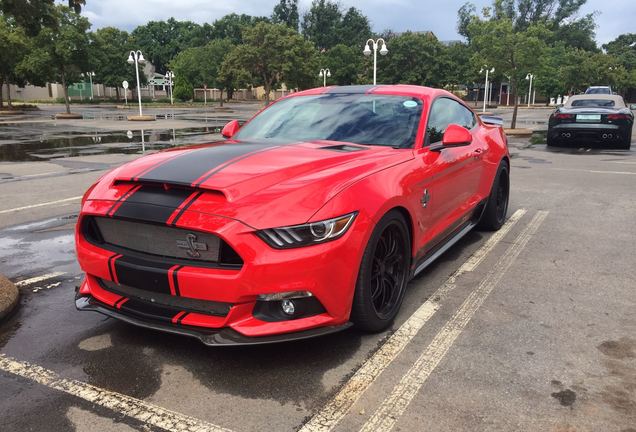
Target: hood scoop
point(344, 148)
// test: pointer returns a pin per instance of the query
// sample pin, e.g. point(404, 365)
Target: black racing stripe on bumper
point(139, 273)
point(152, 204)
point(185, 169)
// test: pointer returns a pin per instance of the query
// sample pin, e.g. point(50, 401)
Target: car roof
point(421, 92)
point(618, 100)
point(595, 87)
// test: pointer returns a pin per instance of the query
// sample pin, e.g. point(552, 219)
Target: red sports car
point(311, 217)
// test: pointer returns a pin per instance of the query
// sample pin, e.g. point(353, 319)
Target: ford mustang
point(311, 217)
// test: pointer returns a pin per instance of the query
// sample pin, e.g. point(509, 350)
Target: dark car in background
point(599, 90)
point(592, 119)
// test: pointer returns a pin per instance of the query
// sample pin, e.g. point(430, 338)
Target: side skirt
point(444, 246)
point(451, 239)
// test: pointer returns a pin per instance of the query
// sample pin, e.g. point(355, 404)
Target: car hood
point(262, 184)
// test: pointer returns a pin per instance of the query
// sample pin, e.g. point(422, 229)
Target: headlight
point(307, 234)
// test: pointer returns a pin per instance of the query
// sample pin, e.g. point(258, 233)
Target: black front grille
point(162, 242)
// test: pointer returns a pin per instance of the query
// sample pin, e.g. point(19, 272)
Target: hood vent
point(345, 148)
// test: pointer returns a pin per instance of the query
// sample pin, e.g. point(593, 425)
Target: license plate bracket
point(588, 118)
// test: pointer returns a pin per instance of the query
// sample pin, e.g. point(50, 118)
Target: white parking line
point(335, 410)
point(62, 201)
point(37, 279)
point(595, 171)
point(393, 407)
point(121, 404)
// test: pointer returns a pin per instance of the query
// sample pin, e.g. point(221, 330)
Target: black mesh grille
point(162, 242)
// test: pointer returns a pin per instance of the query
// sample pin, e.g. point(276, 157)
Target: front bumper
point(328, 271)
point(224, 336)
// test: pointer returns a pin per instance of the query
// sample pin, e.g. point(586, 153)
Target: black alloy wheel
point(388, 271)
point(383, 274)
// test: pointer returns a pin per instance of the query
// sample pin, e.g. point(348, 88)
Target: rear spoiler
point(492, 120)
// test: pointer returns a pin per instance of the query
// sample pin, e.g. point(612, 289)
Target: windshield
point(356, 118)
point(604, 103)
point(598, 90)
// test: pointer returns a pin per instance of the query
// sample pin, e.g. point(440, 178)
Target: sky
point(614, 17)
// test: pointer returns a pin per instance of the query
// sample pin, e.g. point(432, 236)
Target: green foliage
point(183, 90)
point(30, 15)
point(60, 53)
point(14, 45)
point(286, 12)
point(161, 41)
point(200, 66)
point(231, 27)
point(344, 63)
point(108, 51)
point(354, 29)
point(414, 58)
point(326, 25)
point(273, 54)
point(321, 23)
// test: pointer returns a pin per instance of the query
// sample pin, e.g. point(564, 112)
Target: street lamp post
point(367, 52)
point(488, 71)
point(531, 78)
point(324, 73)
point(137, 58)
point(90, 77)
point(170, 77)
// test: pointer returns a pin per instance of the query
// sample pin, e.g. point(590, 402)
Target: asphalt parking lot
point(531, 328)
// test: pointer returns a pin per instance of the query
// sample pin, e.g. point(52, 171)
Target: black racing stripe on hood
point(152, 204)
point(194, 164)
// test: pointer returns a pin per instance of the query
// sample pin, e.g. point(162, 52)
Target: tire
point(383, 274)
point(550, 142)
point(494, 215)
point(627, 142)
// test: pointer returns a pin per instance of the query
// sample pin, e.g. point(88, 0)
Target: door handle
point(477, 153)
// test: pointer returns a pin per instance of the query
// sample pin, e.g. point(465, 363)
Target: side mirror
point(456, 136)
point(230, 129)
point(632, 107)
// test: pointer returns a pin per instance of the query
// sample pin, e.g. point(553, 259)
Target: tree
point(354, 29)
point(231, 27)
point(272, 54)
point(322, 23)
point(14, 46)
point(60, 53)
point(286, 12)
point(199, 67)
point(108, 51)
point(415, 58)
point(161, 41)
point(510, 51)
point(30, 15)
point(344, 63)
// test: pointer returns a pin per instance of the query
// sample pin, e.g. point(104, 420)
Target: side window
point(446, 111)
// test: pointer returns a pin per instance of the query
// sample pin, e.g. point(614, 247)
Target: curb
point(8, 297)
point(519, 132)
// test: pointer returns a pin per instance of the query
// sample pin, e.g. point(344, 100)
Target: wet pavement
point(551, 348)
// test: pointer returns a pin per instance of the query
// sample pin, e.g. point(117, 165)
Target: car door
point(447, 178)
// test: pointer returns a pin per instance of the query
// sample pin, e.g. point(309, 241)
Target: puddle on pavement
point(76, 143)
point(35, 248)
